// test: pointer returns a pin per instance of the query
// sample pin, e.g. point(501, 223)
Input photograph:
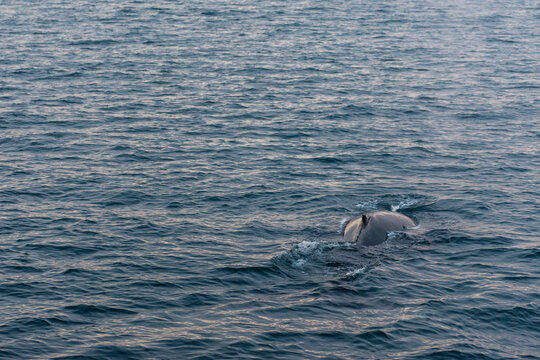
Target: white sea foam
point(393, 234)
point(343, 223)
point(404, 204)
point(299, 263)
point(307, 247)
point(356, 272)
point(368, 204)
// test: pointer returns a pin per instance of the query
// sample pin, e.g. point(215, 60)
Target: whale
point(373, 228)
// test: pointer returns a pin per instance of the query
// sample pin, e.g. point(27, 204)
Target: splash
point(404, 204)
point(368, 204)
point(343, 223)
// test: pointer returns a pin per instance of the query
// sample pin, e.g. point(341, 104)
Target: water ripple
point(175, 178)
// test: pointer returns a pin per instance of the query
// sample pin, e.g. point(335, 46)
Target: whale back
point(373, 229)
point(351, 230)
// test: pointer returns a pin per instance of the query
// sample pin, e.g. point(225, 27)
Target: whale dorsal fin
point(365, 220)
point(361, 227)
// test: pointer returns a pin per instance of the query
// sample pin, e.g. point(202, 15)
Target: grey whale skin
point(372, 229)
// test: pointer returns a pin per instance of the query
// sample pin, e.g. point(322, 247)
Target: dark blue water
point(174, 176)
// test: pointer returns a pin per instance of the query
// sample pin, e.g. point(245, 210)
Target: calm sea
point(174, 177)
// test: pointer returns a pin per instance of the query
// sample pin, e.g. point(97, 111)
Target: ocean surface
point(175, 177)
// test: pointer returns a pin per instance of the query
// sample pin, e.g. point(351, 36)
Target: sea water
point(174, 177)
